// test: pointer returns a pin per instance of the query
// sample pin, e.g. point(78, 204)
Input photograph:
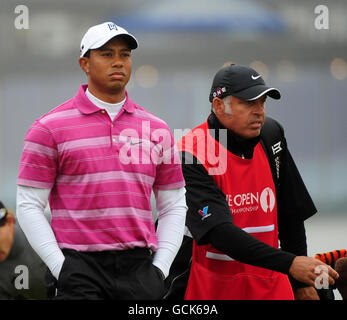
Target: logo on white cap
point(112, 26)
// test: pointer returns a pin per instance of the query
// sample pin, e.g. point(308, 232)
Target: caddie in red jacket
point(239, 208)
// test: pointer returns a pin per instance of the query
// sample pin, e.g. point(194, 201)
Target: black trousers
point(116, 275)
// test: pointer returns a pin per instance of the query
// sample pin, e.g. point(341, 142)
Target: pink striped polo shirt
point(100, 172)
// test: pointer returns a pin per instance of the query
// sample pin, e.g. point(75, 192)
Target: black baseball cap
point(241, 82)
point(3, 214)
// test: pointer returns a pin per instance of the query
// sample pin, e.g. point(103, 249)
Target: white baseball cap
point(98, 35)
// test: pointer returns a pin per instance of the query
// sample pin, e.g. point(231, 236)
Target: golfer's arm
point(31, 204)
point(171, 206)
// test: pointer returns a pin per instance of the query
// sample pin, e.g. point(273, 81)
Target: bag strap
point(272, 140)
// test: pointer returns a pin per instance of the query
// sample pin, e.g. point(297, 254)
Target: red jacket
point(250, 193)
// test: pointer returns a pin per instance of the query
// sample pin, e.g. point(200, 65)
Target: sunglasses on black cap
point(3, 216)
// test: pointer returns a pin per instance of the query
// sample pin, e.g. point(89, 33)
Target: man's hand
point(307, 269)
point(307, 293)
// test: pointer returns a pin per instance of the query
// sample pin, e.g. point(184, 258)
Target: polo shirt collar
point(87, 107)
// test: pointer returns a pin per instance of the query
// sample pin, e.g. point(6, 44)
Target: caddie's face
point(246, 117)
point(109, 67)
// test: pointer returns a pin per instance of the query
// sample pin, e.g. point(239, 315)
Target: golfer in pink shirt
point(96, 159)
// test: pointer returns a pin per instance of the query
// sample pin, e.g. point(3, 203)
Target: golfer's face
point(109, 67)
point(246, 118)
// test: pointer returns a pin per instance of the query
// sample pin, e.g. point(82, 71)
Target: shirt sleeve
point(295, 200)
point(31, 203)
point(171, 206)
point(292, 236)
point(295, 206)
point(38, 164)
point(202, 194)
point(249, 249)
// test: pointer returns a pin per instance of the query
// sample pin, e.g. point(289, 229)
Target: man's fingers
point(331, 281)
point(325, 273)
point(333, 273)
point(313, 272)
